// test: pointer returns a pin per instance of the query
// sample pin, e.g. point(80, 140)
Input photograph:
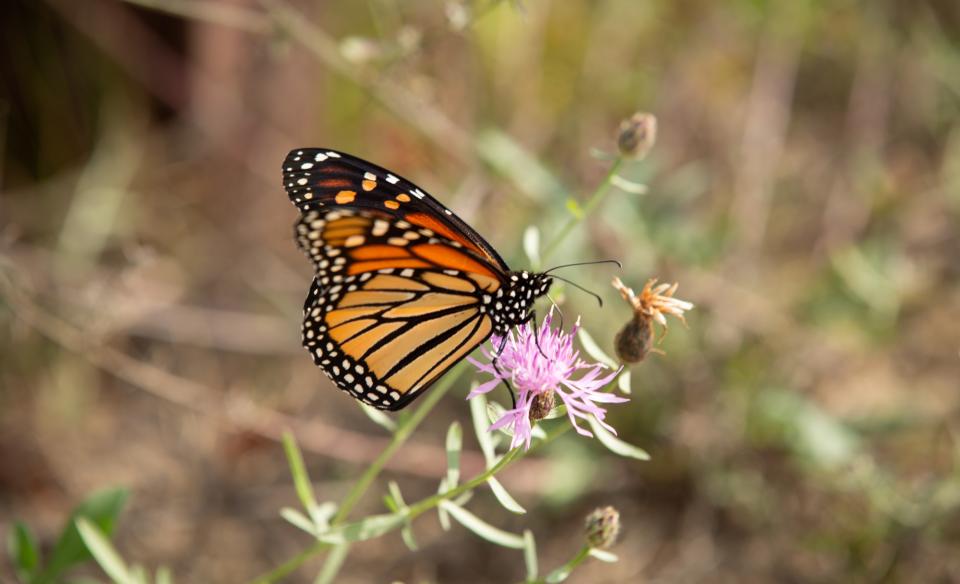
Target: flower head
point(637, 135)
point(540, 374)
point(635, 339)
point(602, 527)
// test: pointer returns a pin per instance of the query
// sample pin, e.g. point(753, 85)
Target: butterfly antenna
point(610, 261)
point(579, 287)
point(536, 334)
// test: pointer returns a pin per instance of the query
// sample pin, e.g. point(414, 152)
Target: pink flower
point(539, 377)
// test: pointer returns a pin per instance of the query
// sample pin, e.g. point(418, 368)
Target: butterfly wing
point(397, 299)
point(318, 177)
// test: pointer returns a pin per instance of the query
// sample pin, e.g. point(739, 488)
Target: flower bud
point(637, 135)
point(602, 527)
point(542, 405)
point(635, 339)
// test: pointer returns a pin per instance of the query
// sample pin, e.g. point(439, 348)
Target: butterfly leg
point(496, 357)
point(536, 332)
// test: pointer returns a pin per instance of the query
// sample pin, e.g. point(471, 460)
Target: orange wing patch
point(379, 252)
point(337, 232)
point(448, 257)
point(424, 220)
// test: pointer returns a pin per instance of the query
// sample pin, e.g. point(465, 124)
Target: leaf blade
point(103, 551)
point(614, 444)
point(102, 508)
point(481, 528)
point(505, 499)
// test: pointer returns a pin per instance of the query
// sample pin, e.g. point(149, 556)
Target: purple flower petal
point(540, 359)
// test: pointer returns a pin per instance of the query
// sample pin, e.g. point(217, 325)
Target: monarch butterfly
point(403, 288)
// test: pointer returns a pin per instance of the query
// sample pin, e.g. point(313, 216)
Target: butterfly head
point(515, 299)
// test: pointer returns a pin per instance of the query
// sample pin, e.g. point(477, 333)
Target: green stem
point(420, 507)
point(431, 502)
point(511, 456)
point(572, 564)
point(589, 207)
point(400, 436)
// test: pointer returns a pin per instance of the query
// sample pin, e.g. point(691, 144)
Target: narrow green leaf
point(482, 528)
point(407, 535)
point(442, 514)
point(164, 576)
point(478, 412)
point(23, 550)
point(623, 382)
point(103, 551)
point(299, 520)
point(138, 575)
point(379, 418)
point(395, 493)
point(604, 556)
point(530, 555)
point(301, 480)
point(628, 186)
point(558, 575)
point(538, 432)
point(102, 509)
point(615, 444)
point(463, 499)
point(331, 567)
point(557, 412)
point(508, 502)
point(454, 443)
point(367, 528)
point(594, 350)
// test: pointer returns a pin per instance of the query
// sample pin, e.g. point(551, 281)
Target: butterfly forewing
point(317, 178)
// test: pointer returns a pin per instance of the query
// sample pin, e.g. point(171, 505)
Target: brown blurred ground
point(805, 192)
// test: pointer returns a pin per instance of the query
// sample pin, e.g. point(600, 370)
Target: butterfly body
point(403, 289)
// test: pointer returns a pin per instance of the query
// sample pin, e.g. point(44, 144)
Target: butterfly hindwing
point(384, 336)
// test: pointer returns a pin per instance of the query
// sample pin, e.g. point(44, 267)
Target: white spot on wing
point(392, 179)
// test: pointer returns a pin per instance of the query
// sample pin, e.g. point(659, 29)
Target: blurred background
point(804, 192)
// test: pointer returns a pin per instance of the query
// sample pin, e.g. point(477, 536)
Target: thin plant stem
point(416, 509)
point(572, 564)
point(589, 207)
point(404, 429)
point(400, 436)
